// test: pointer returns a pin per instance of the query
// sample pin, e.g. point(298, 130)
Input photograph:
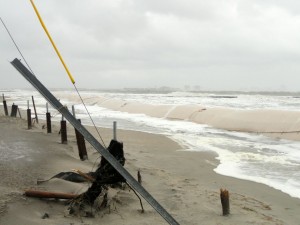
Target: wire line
point(16, 45)
point(89, 114)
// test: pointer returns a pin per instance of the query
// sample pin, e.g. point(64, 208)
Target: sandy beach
point(183, 182)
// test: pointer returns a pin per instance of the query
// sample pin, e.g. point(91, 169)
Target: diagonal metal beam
point(90, 138)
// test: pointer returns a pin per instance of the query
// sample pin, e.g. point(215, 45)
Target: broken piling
point(48, 119)
point(224, 195)
point(5, 105)
point(14, 110)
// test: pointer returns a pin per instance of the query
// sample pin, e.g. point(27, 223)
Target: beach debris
point(224, 195)
point(105, 174)
point(48, 194)
point(88, 176)
point(45, 216)
point(77, 177)
point(104, 202)
point(142, 211)
point(139, 176)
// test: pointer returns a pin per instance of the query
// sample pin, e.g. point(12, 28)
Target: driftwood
point(47, 194)
point(105, 174)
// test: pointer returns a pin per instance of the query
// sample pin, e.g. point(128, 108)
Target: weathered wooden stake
point(14, 110)
point(80, 140)
point(5, 108)
point(63, 132)
point(48, 118)
point(36, 117)
point(224, 195)
point(29, 119)
point(115, 130)
point(5, 105)
point(139, 176)
point(81, 146)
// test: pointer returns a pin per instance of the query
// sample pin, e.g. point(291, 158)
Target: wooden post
point(224, 195)
point(63, 132)
point(29, 119)
point(5, 105)
point(81, 144)
point(36, 117)
point(115, 130)
point(48, 119)
point(14, 110)
point(80, 140)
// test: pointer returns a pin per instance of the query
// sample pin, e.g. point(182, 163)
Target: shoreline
point(183, 182)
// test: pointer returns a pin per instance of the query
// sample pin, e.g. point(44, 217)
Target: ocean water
point(246, 156)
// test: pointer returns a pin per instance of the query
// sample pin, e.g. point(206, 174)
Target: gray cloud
point(228, 45)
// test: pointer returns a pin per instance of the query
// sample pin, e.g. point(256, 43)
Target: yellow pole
point(52, 42)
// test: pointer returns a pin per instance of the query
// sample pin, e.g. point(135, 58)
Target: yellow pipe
point(52, 42)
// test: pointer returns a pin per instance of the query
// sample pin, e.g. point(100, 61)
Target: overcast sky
point(215, 44)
